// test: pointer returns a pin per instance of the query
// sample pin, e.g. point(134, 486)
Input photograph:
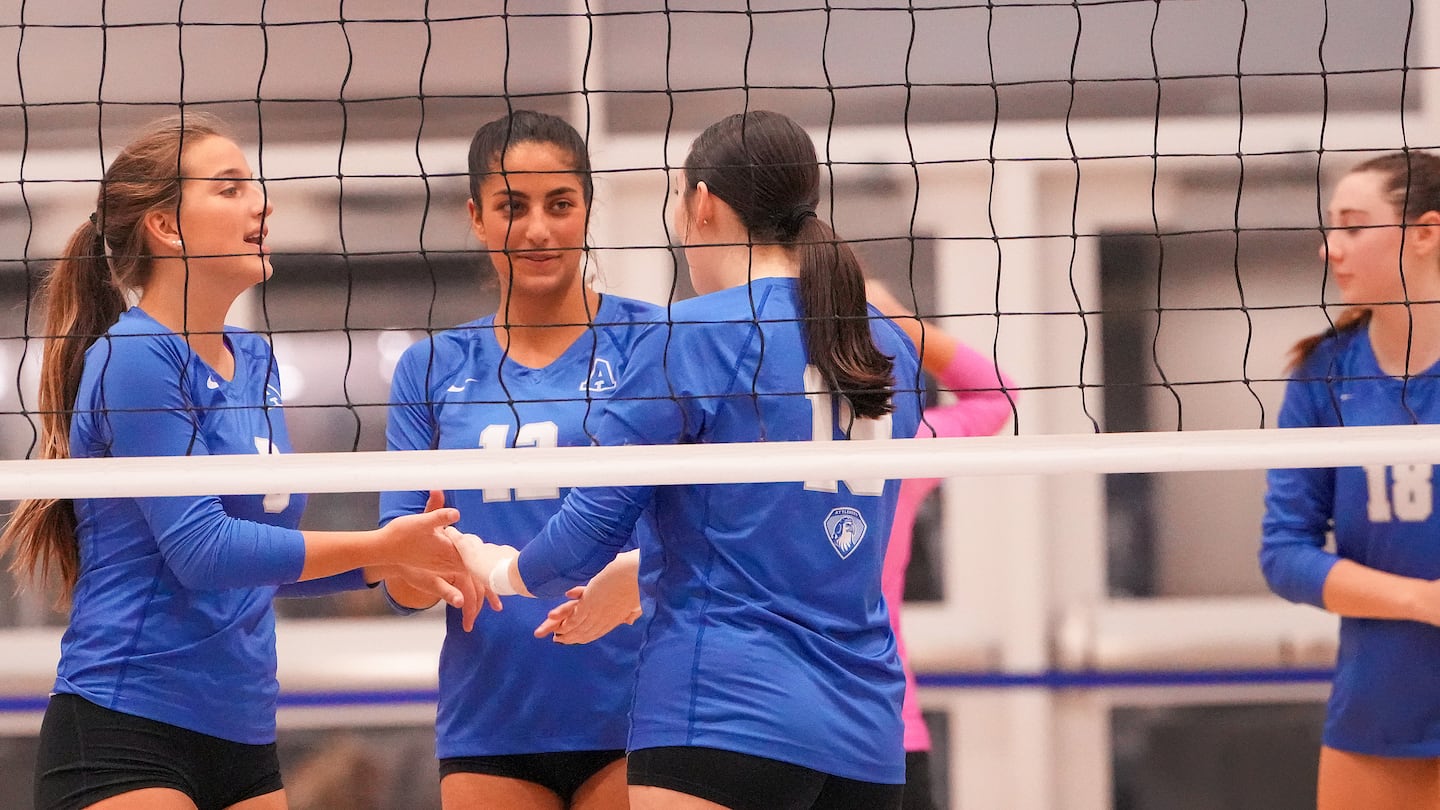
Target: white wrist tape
point(500, 578)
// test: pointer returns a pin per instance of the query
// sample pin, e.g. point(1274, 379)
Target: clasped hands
point(609, 599)
point(440, 563)
point(477, 573)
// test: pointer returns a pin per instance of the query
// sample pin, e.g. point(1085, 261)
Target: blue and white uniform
point(770, 635)
point(503, 691)
point(172, 617)
point(1385, 699)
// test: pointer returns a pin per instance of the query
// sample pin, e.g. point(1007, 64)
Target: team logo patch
point(846, 528)
point(602, 376)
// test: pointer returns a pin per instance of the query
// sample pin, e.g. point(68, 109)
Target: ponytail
point(1351, 318)
point(84, 296)
point(837, 323)
point(82, 300)
point(763, 165)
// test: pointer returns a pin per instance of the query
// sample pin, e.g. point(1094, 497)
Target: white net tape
point(721, 463)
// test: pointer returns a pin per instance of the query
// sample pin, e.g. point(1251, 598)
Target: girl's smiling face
point(530, 214)
point(223, 214)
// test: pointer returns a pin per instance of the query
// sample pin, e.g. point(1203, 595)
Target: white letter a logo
point(602, 377)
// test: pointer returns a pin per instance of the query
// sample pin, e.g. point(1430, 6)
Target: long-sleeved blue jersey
point(770, 634)
point(503, 691)
point(1385, 699)
point(172, 618)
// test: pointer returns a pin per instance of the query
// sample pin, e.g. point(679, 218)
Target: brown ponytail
point(81, 301)
point(1351, 318)
point(83, 296)
point(837, 325)
point(763, 165)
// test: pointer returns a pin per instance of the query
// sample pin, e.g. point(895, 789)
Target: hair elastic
point(792, 220)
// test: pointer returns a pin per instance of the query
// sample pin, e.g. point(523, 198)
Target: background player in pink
point(983, 403)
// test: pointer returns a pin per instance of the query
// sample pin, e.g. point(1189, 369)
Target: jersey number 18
point(1409, 496)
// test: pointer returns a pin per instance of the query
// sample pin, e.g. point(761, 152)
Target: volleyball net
point(1124, 219)
point(1119, 202)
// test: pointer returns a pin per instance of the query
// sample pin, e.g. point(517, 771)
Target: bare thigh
point(1349, 780)
point(647, 797)
point(146, 799)
point(466, 791)
point(606, 790)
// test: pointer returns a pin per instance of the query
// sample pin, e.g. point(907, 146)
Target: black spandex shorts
point(88, 753)
point(745, 782)
point(918, 791)
point(560, 772)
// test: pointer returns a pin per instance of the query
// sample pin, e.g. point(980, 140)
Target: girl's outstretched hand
point(610, 599)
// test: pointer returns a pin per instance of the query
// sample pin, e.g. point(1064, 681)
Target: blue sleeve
point(1298, 506)
point(409, 425)
point(594, 524)
point(201, 544)
point(325, 586)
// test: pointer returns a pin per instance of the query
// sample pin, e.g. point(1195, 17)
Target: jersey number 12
point(530, 434)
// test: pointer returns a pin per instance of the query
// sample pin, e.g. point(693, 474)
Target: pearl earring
point(178, 243)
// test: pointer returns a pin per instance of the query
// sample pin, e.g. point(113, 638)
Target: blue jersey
point(503, 691)
point(172, 617)
point(1385, 700)
point(770, 634)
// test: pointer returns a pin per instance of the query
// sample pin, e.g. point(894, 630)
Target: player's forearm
point(329, 553)
point(1361, 592)
point(936, 346)
point(626, 562)
point(403, 593)
point(352, 580)
point(592, 526)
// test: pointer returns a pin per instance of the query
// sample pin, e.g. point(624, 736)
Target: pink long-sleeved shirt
point(981, 408)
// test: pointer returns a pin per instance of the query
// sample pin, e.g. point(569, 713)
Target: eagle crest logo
point(845, 528)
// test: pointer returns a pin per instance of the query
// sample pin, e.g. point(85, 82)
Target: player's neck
point(745, 263)
point(1406, 339)
point(201, 323)
point(535, 331)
